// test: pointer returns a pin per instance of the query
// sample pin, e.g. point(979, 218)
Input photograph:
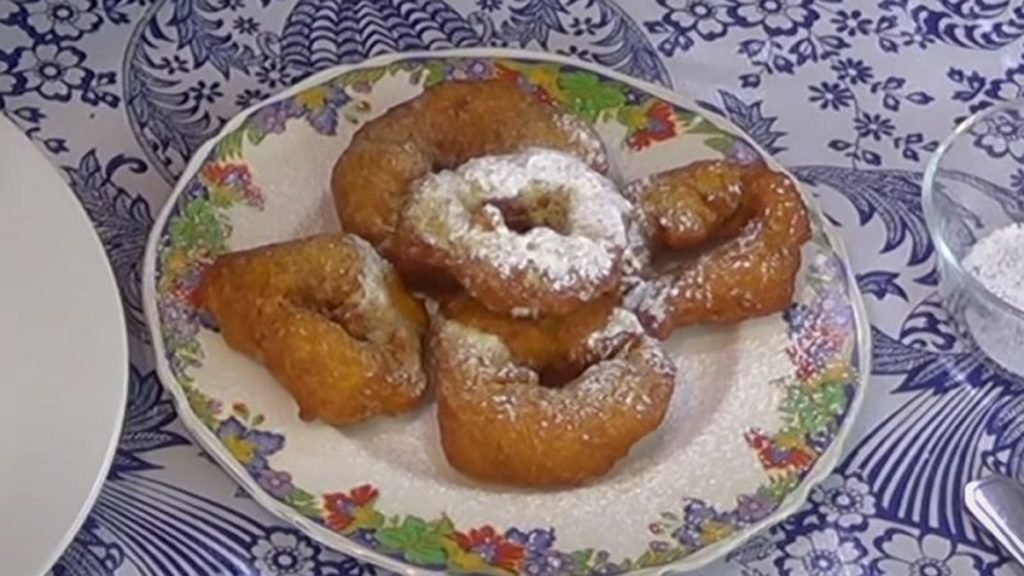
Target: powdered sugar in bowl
point(973, 199)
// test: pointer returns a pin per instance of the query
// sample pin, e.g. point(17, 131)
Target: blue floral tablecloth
point(853, 96)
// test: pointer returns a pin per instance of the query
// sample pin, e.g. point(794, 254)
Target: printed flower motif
point(873, 126)
point(64, 19)
point(1000, 134)
point(493, 548)
point(343, 509)
point(753, 507)
point(924, 555)
point(249, 96)
point(831, 95)
point(285, 553)
point(202, 92)
point(704, 17)
point(53, 70)
point(583, 26)
point(851, 23)
point(844, 501)
point(489, 5)
point(279, 484)
point(822, 553)
point(1010, 87)
point(273, 73)
point(852, 70)
point(777, 17)
point(8, 80)
point(250, 447)
point(246, 25)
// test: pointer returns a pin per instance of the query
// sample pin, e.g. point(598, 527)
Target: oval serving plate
point(759, 415)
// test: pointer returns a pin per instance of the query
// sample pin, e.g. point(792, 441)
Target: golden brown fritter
point(753, 274)
point(328, 318)
point(444, 127)
point(686, 206)
point(498, 424)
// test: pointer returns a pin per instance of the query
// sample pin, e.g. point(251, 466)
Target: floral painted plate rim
point(820, 469)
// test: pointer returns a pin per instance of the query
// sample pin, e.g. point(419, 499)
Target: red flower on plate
point(661, 125)
point(341, 507)
point(492, 547)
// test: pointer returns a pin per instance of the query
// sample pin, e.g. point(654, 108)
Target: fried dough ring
point(687, 206)
point(447, 125)
point(328, 318)
point(499, 425)
point(536, 233)
point(753, 274)
point(558, 348)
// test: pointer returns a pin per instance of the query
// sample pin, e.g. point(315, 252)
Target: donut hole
point(537, 206)
point(559, 374)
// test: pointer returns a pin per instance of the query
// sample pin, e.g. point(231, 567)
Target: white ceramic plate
point(63, 355)
point(770, 400)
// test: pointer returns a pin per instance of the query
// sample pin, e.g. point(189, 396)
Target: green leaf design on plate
point(231, 146)
point(199, 227)
point(303, 502)
point(588, 97)
point(418, 541)
point(719, 143)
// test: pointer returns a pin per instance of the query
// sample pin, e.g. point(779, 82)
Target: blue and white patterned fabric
point(852, 95)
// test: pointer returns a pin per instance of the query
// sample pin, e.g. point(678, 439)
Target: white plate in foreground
point(63, 356)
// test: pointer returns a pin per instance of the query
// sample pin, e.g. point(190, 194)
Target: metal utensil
point(997, 503)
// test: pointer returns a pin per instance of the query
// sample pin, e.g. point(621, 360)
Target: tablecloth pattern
point(852, 96)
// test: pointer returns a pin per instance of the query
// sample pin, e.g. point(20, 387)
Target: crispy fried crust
point(328, 318)
point(556, 347)
point(686, 206)
point(499, 425)
point(444, 127)
point(751, 275)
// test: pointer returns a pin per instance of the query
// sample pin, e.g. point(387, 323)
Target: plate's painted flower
point(540, 557)
point(285, 553)
point(64, 19)
point(922, 555)
point(777, 17)
point(278, 483)
point(343, 509)
point(822, 553)
point(249, 447)
point(844, 502)
point(492, 547)
point(271, 119)
point(753, 507)
point(53, 70)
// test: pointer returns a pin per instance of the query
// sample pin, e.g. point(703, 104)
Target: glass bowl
point(974, 186)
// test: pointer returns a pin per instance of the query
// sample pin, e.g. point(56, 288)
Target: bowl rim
point(931, 210)
point(823, 467)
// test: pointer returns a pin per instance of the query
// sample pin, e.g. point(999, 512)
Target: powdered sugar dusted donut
point(450, 123)
point(498, 424)
point(535, 233)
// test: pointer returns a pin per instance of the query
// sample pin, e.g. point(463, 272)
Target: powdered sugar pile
point(997, 261)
